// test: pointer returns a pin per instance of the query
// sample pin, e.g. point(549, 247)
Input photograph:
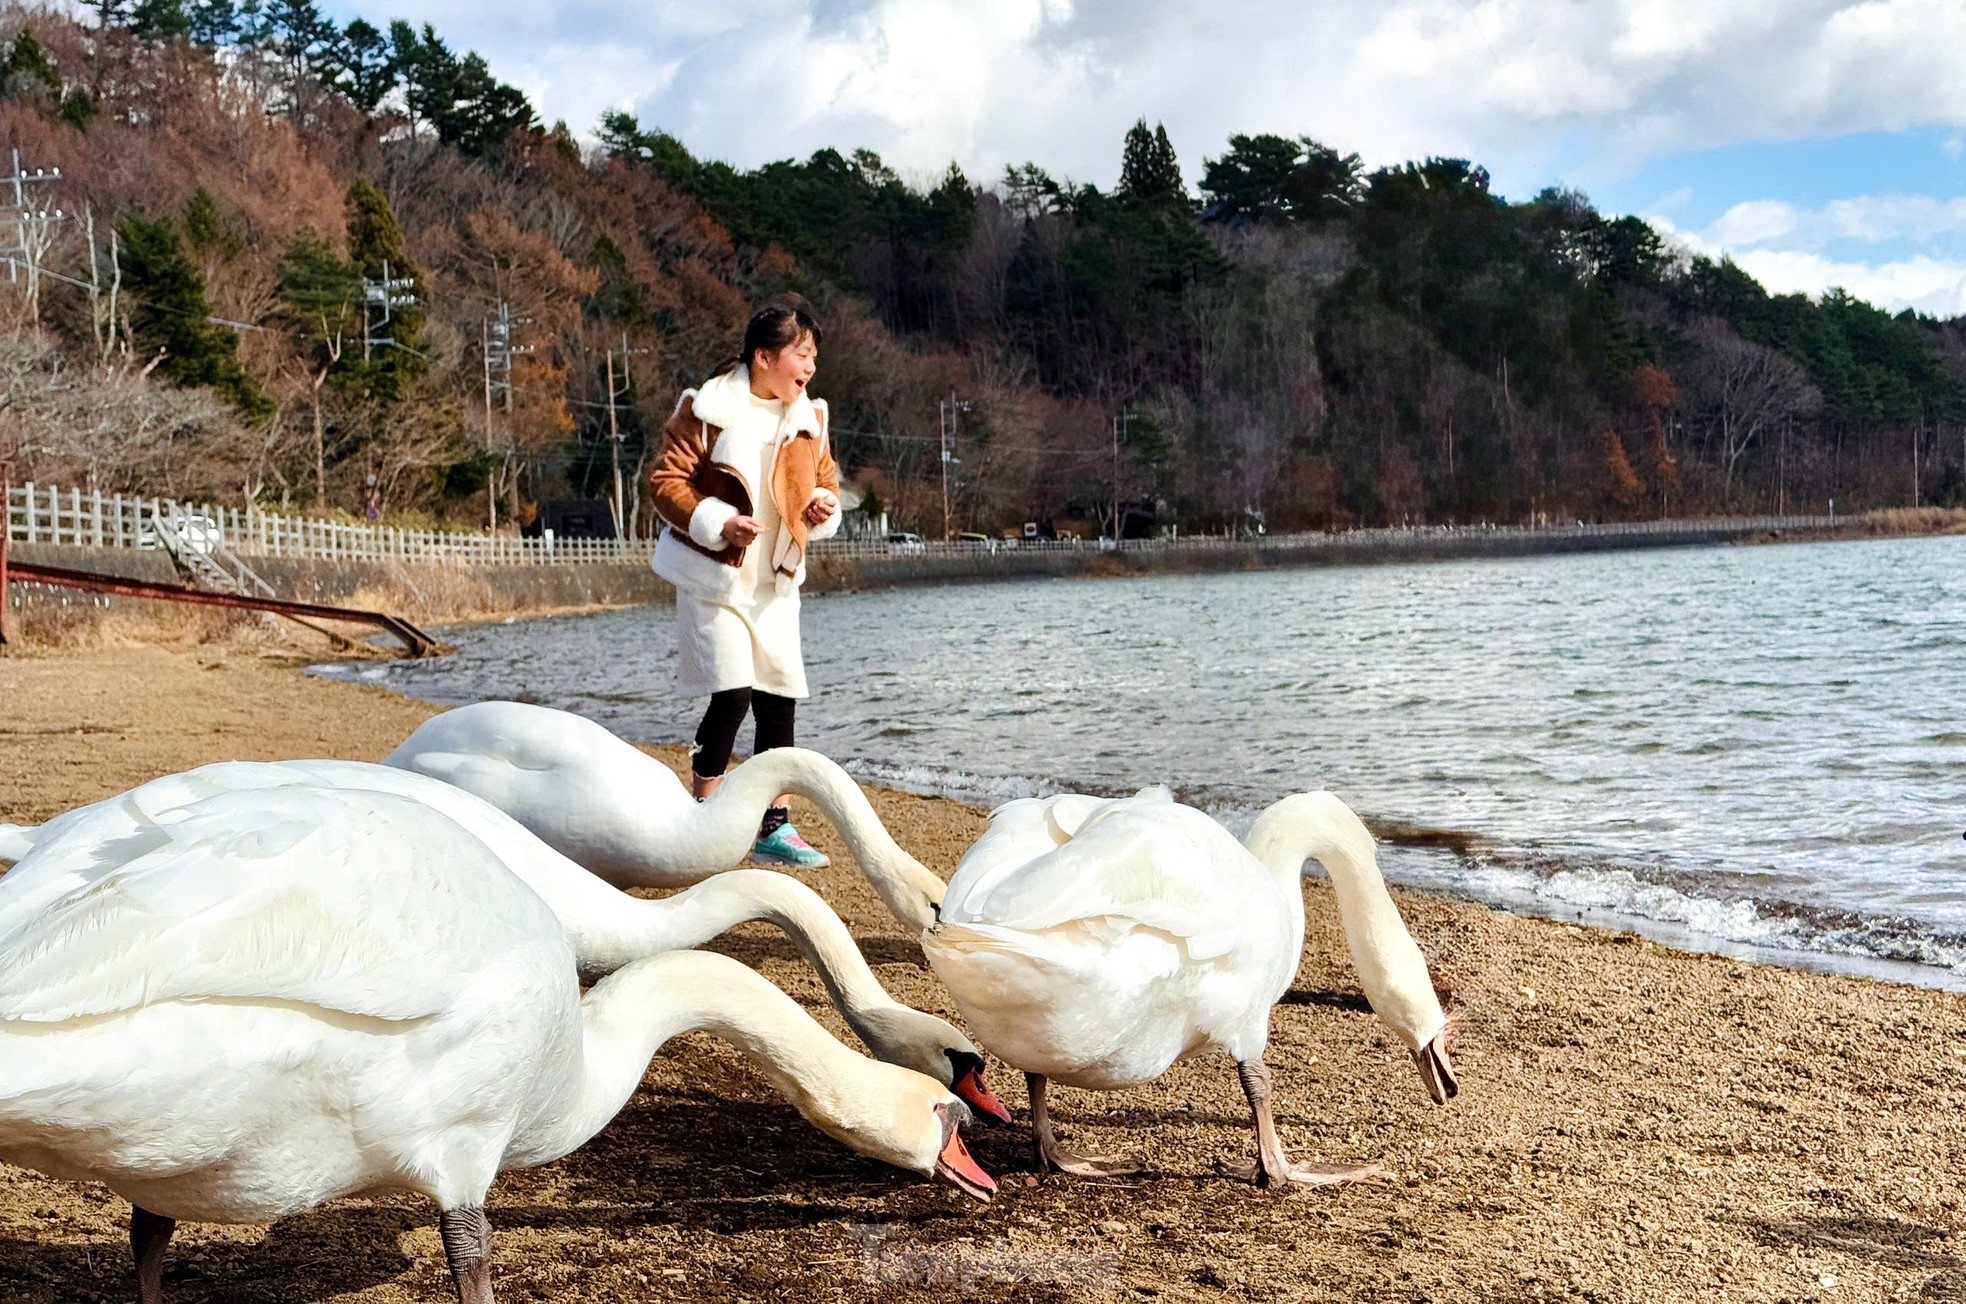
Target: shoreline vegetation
point(1636, 1123)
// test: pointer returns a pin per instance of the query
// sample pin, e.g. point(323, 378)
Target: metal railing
point(46, 514)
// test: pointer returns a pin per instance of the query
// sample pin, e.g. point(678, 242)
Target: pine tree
point(170, 315)
point(952, 210)
point(206, 229)
point(213, 22)
point(387, 371)
point(365, 68)
point(159, 21)
point(1150, 177)
point(28, 73)
point(321, 297)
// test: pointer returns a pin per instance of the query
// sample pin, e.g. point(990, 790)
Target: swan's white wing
point(1020, 831)
point(16, 840)
point(1139, 862)
point(70, 849)
point(336, 900)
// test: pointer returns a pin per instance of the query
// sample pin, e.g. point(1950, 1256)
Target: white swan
point(627, 817)
point(268, 999)
point(606, 927)
point(1097, 942)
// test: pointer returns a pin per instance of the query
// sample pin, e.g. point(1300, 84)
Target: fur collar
point(724, 400)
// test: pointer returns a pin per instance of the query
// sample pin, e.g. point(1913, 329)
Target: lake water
point(1756, 750)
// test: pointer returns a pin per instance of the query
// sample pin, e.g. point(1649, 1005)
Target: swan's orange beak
point(977, 1095)
point(955, 1167)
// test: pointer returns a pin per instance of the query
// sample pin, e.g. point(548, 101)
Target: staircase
point(196, 545)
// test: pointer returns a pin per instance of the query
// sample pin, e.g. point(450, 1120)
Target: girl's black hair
point(777, 325)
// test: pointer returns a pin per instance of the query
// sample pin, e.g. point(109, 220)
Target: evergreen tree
point(159, 20)
point(206, 229)
point(320, 296)
point(212, 22)
point(364, 66)
point(27, 73)
point(169, 314)
point(1149, 175)
point(389, 370)
point(952, 210)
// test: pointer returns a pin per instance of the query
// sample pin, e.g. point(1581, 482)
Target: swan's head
point(912, 1122)
point(931, 1046)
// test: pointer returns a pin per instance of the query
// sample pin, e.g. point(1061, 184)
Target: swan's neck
point(628, 1016)
point(907, 887)
point(1317, 826)
point(634, 928)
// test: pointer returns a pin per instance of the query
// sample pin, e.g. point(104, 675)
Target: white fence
point(44, 514)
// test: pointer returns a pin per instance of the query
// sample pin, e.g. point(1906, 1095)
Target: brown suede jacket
point(684, 474)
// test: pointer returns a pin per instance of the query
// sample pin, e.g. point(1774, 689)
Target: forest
point(346, 269)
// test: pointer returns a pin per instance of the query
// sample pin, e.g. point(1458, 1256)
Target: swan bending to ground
point(606, 927)
point(263, 1000)
point(627, 817)
point(1096, 942)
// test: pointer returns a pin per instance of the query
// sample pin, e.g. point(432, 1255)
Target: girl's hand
point(819, 510)
point(741, 530)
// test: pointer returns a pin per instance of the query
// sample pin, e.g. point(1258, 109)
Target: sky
point(1819, 143)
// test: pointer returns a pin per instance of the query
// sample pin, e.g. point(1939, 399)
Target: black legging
point(718, 733)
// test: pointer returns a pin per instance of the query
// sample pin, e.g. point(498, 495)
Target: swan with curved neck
point(1097, 942)
point(626, 816)
point(266, 999)
point(606, 927)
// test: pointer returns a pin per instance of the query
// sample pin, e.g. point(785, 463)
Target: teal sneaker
point(786, 847)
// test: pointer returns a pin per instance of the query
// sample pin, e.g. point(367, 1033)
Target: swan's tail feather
point(16, 840)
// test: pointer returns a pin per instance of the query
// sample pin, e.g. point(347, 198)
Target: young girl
point(744, 481)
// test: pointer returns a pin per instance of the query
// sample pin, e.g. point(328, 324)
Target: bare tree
point(1747, 390)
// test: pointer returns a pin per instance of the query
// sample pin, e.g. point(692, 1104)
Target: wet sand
point(1635, 1123)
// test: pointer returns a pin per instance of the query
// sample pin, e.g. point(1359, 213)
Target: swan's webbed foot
point(1279, 1173)
point(1056, 1158)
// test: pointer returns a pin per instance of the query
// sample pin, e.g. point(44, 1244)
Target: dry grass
point(1910, 520)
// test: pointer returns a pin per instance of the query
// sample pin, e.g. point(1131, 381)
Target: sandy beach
point(1634, 1124)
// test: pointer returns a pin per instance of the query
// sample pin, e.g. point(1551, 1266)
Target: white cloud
point(1932, 285)
point(990, 82)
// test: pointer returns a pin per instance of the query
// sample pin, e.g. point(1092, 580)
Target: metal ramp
point(197, 545)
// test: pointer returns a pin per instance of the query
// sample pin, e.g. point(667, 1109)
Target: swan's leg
point(1273, 1168)
point(149, 1234)
point(467, 1244)
point(1054, 1156)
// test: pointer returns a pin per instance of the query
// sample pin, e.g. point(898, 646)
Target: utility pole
point(949, 410)
point(33, 231)
point(614, 430)
point(498, 350)
point(385, 295)
point(1119, 433)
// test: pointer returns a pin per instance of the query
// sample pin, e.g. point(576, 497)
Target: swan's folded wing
point(77, 846)
point(334, 900)
point(1147, 864)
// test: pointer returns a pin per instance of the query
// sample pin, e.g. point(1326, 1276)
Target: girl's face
point(785, 374)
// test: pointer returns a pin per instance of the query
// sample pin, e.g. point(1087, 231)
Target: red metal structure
point(414, 641)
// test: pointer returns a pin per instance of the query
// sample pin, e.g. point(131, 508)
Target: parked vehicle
point(903, 541)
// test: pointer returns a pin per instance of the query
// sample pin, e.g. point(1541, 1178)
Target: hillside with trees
point(346, 268)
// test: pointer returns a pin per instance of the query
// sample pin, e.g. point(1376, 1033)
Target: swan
point(1095, 942)
point(606, 927)
point(262, 1000)
point(626, 816)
